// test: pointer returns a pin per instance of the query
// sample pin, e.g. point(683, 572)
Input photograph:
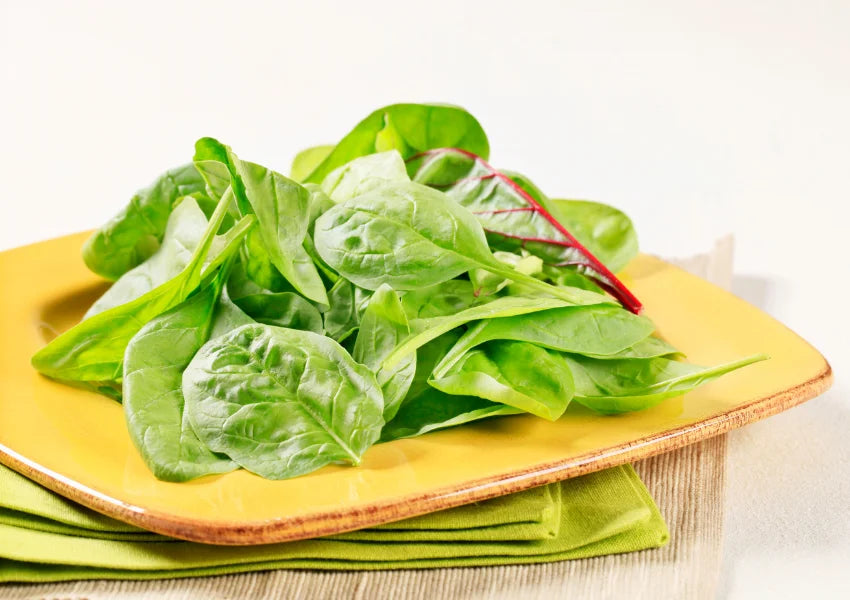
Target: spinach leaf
point(426, 329)
point(347, 303)
point(282, 207)
point(282, 309)
point(427, 409)
point(408, 128)
point(612, 387)
point(184, 230)
point(443, 299)
point(91, 353)
point(152, 387)
point(344, 183)
point(433, 410)
point(382, 326)
point(134, 234)
point(306, 161)
point(518, 374)
point(487, 283)
point(578, 329)
point(513, 216)
point(649, 347)
point(282, 402)
point(410, 236)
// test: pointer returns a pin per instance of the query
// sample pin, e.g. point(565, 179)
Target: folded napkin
point(45, 537)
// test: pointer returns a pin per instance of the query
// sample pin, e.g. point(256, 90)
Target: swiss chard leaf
point(518, 374)
point(382, 326)
point(184, 231)
point(134, 234)
point(282, 402)
point(407, 128)
point(512, 217)
point(612, 387)
point(91, 353)
point(604, 230)
point(579, 329)
point(152, 386)
point(411, 236)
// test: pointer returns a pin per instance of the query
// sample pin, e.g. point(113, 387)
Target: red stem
point(615, 287)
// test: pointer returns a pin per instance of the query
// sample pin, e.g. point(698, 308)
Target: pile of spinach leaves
point(394, 284)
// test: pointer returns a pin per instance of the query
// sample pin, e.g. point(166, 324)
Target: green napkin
point(44, 537)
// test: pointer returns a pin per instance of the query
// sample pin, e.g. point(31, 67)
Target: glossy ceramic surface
point(76, 443)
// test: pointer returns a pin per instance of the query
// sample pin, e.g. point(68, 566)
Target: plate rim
point(299, 527)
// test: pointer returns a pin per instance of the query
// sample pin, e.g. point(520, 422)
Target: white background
point(698, 120)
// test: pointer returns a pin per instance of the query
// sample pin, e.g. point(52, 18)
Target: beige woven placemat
point(688, 486)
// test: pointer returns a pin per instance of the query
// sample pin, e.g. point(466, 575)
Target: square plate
point(76, 443)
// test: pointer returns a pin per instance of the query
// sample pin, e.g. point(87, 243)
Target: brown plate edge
point(288, 529)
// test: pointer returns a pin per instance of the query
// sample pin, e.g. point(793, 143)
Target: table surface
point(696, 121)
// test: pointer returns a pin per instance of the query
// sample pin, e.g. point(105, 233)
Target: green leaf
point(411, 236)
point(153, 394)
point(427, 409)
point(282, 207)
point(487, 283)
point(134, 234)
point(347, 303)
point(409, 129)
point(91, 353)
point(612, 387)
point(580, 329)
point(306, 161)
point(382, 326)
point(426, 329)
point(185, 228)
point(282, 402)
point(282, 309)
point(444, 299)
point(518, 374)
point(344, 182)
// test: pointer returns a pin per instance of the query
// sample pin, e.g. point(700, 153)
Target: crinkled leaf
point(282, 402)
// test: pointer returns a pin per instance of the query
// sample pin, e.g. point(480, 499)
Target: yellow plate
point(76, 443)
